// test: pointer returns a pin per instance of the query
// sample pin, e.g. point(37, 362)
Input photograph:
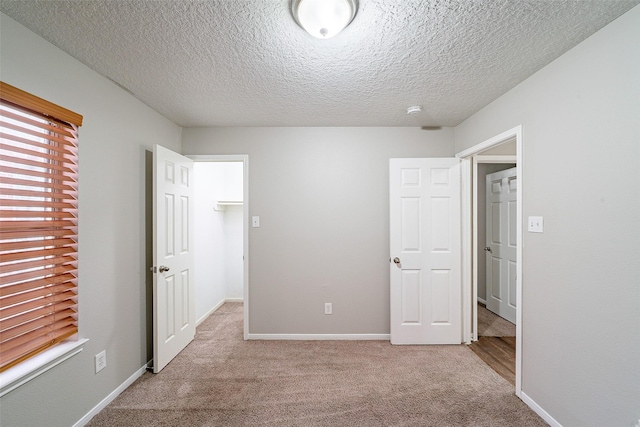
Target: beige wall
point(581, 278)
point(117, 133)
point(322, 195)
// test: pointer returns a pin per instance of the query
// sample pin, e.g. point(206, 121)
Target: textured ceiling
point(247, 63)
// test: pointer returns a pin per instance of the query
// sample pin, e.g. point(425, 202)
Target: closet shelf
point(222, 204)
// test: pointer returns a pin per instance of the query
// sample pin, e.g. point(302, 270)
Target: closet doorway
point(221, 234)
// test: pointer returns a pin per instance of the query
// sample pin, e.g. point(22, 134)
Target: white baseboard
point(217, 306)
point(209, 313)
point(103, 404)
point(482, 301)
point(319, 337)
point(538, 410)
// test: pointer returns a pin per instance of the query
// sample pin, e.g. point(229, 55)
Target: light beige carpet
point(492, 325)
point(221, 380)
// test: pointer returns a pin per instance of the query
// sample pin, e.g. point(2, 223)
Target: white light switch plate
point(535, 224)
point(255, 221)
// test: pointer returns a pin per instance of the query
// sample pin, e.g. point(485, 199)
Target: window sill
point(38, 365)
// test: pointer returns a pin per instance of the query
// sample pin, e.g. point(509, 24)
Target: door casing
point(469, 159)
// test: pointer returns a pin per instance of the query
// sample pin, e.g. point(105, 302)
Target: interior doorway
point(503, 148)
point(221, 233)
point(495, 270)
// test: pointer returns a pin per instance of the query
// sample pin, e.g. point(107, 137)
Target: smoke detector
point(414, 109)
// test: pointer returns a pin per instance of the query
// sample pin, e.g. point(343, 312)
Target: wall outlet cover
point(101, 361)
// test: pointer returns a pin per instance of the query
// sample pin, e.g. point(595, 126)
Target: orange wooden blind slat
point(23, 328)
point(13, 246)
point(45, 330)
point(44, 225)
point(32, 279)
point(43, 294)
point(37, 313)
point(35, 214)
point(16, 193)
point(45, 204)
point(40, 134)
point(32, 234)
point(30, 305)
point(37, 184)
point(38, 174)
point(27, 255)
point(46, 164)
point(64, 130)
point(63, 150)
point(28, 265)
point(27, 152)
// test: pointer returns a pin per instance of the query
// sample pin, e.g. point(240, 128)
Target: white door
point(501, 244)
point(426, 300)
point(173, 285)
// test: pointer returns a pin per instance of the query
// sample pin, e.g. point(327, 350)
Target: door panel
point(425, 238)
point(502, 193)
point(173, 290)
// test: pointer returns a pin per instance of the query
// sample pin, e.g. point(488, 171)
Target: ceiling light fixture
point(324, 18)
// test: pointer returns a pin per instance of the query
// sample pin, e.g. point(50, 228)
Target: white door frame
point(245, 214)
point(469, 225)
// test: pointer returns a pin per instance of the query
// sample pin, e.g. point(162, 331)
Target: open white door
point(501, 243)
point(426, 299)
point(173, 287)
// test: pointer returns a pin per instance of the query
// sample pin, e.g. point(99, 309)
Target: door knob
point(163, 268)
point(396, 260)
point(487, 249)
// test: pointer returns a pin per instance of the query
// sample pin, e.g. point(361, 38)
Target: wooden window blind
point(38, 225)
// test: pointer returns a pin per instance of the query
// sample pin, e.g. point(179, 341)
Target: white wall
point(218, 237)
point(322, 195)
point(114, 283)
point(209, 266)
point(581, 278)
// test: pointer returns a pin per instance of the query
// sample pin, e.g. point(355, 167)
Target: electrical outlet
point(101, 361)
point(328, 308)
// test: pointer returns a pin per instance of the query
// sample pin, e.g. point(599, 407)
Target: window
point(38, 225)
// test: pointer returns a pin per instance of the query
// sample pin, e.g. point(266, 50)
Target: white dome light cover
point(324, 18)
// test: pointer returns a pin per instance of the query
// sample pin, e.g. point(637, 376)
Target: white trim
point(469, 324)
point(209, 313)
point(31, 368)
point(538, 410)
point(506, 158)
point(245, 228)
point(505, 136)
point(320, 337)
point(214, 309)
point(467, 218)
point(482, 301)
point(115, 393)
